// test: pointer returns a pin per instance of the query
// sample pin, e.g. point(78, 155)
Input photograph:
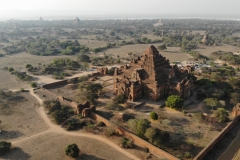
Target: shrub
point(174, 101)
point(120, 99)
point(4, 147)
point(72, 150)
point(28, 65)
point(33, 84)
point(221, 114)
point(127, 143)
point(154, 115)
point(10, 69)
point(109, 131)
point(101, 124)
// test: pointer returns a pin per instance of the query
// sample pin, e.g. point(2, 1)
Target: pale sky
point(47, 8)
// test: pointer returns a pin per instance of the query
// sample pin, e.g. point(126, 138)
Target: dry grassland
point(51, 146)
point(172, 53)
point(19, 61)
point(19, 117)
point(207, 50)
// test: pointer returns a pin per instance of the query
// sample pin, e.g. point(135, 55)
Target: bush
point(127, 143)
point(33, 84)
point(28, 65)
point(221, 114)
point(10, 69)
point(4, 147)
point(101, 124)
point(120, 99)
point(174, 101)
point(72, 150)
point(154, 115)
point(109, 131)
point(139, 126)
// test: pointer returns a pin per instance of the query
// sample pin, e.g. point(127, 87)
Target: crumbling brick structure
point(152, 76)
point(236, 110)
point(102, 70)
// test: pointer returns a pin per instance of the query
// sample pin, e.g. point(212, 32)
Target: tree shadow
point(88, 157)
point(6, 135)
point(16, 153)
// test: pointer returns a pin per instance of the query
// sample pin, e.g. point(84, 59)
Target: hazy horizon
point(90, 9)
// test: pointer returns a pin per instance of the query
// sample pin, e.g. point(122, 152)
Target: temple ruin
point(151, 76)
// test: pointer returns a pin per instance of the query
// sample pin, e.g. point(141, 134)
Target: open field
point(51, 146)
point(207, 50)
point(19, 61)
point(152, 37)
point(19, 117)
point(92, 43)
point(172, 53)
point(39, 145)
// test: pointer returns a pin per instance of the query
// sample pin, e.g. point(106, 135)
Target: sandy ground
point(20, 119)
point(32, 147)
point(51, 145)
point(207, 50)
point(172, 53)
point(19, 61)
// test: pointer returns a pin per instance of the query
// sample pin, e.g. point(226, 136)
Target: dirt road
point(57, 129)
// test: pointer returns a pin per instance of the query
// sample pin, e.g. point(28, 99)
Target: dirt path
point(57, 129)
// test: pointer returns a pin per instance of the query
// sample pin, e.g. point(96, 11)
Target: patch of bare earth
point(19, 117)
point(207, 50)
point(51, 146)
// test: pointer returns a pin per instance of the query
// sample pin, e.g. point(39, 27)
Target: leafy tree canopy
point(174, 101)
point(72, 150)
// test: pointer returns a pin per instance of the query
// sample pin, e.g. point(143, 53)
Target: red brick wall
point(54, 84)
point(139, 141)
point(211, 145)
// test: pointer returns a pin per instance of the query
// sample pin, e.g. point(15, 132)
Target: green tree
point(85, 65)
point(139, 126)
point(164, 136)
point(10, 69)
point(162, 47)
point(28, 65)
point(33, 84)
point(120, 99)
point(221, 114)
point(127, 143)
point(235, 98)
point(154, 115)
point(235, 83)
point(174, 101)
point(112, 33)
point(142, 125)
point(151, 134)
point(83, 58)
point(4, 147)
point(212, 102)
point(72, 150)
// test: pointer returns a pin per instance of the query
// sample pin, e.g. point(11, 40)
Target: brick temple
point(151, 76)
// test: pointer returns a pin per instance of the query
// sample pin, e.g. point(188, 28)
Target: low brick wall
point(54, 84)
point(211, 145)
point(137, 140)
